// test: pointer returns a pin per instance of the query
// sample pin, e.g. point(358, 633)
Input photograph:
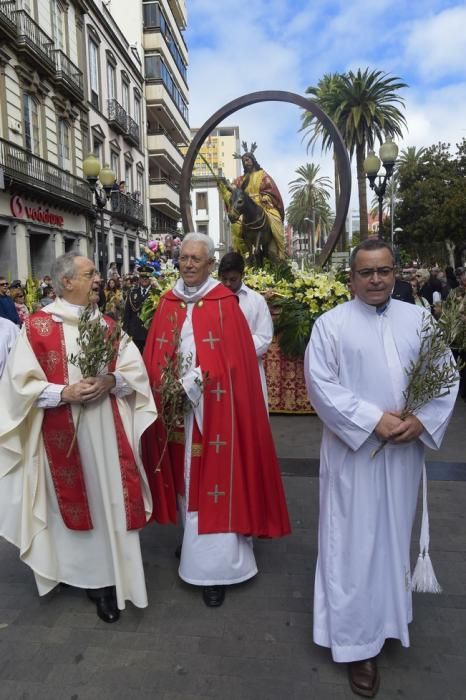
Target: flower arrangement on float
point(151, 255)
point(296, 299)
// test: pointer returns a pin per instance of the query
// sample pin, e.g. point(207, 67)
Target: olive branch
point(98, 346)
point(173, 401)
point(434, 372)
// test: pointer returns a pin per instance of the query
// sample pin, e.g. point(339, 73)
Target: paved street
point(258, 646)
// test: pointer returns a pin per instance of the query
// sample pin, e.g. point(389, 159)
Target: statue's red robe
point(237, 483)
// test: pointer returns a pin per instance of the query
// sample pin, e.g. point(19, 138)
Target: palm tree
point(364, 106)
point(411, 157)
point(309, 200)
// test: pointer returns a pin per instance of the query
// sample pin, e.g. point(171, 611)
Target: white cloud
point(437, 44)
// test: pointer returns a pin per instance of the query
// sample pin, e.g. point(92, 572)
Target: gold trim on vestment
point(178, 439)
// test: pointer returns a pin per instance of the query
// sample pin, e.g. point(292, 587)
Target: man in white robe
point(102, 555)
point(8, 334)
point(254, 308)
point(355, 372)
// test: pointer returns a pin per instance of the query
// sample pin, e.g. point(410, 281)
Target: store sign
point(20, 210)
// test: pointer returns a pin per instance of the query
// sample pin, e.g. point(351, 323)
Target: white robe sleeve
point(350, 418)
point(435, 417)
point(262, 332)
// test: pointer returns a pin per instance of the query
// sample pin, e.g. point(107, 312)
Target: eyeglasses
point(369, 272)
point(3, 284)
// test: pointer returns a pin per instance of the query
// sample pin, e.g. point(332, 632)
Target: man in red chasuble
point(74, 508)
point(220, 467)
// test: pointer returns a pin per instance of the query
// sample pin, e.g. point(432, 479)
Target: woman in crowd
point(113, 299)
point(418, 299)
point(17, 294)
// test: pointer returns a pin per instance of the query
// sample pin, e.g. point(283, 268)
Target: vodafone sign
point(20, 210)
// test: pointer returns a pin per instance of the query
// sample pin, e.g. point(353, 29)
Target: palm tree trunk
point(362, 192)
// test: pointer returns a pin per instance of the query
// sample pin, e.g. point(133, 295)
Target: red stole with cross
point(47, 341)
point(235, 485)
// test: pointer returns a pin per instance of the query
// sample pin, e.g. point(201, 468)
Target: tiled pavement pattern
point(258, 646)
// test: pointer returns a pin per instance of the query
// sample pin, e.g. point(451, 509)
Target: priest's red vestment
point(237, 485)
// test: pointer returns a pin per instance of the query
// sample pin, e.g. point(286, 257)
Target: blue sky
point(240, 46)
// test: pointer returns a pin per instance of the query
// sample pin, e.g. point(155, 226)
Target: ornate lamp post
point(93, 172)
point(388, 152)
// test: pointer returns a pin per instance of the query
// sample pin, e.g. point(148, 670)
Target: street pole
point(103, 246)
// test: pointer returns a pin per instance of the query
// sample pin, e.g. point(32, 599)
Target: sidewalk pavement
point(258, 646)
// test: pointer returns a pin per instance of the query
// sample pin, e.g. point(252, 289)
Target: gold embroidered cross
point(216, 493)
point(161, 340)
point(210, 339)
point(218, 391)
point(217, 444)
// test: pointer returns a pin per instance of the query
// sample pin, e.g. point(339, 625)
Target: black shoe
point(178, 552)
point(105, 601)
point(213, 596)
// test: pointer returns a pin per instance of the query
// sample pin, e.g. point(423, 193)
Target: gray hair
point(63, 267)
point(200, 238)
point(370, 244)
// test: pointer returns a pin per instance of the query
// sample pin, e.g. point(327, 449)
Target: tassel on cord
point(424, 579)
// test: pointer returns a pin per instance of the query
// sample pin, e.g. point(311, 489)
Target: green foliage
point(365, 106)
point(98, 345)
point(432, 202)
point(293, 327)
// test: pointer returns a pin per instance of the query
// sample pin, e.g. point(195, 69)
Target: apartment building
point(44, 202)
point(215, 159)
point(114, 131)
point(57, 104)
point(156, 29)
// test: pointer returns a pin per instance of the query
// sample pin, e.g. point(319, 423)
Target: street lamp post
point(388, 152)
point(93, 172)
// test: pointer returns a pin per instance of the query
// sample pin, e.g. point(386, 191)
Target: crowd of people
point(89, 457)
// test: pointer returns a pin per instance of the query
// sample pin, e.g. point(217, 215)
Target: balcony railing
point(132, 132)
point(7, 18)
point(35, 174)
point(31, 39)
point(117, 117)
point(69, 77)
point(126, 207)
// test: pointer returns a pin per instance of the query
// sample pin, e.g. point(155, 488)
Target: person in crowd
point(17, 294)
point(402, 289)
point(253, 306)
point(450, 277)
point(355, 372)
point(112, 271)
point(225, 478)
point(7, 305)
point(46, 281)
point(8, 335)
point(418, 299)
point(73, 491)
point(132, 324)
point(432, 291)
point(122, 187)
point(48, 296)
point(126, 284)
point(114, 304)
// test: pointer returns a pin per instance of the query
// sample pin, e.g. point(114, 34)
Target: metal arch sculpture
point(341, 154)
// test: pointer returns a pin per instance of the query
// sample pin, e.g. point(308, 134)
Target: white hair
point(200, 238)
point(64, 266)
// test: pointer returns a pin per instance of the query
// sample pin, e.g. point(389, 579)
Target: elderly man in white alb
point(75, 511)
point(253, 306)
point(355, 371)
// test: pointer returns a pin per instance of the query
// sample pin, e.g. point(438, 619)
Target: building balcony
point(27, 173)
point(161, 146)
point(34, 44)
point(159, 99)
point(157, 230)
point(8, 19)
point(117, 117)
point(68, 76)
point(178, 7)
point(132, 132)
point(164, 195)
point(127, 208)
